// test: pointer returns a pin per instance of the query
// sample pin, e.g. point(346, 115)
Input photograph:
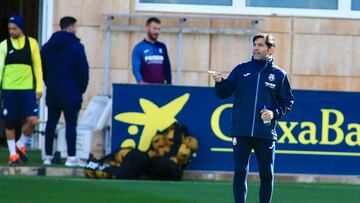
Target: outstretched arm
point(224, 87)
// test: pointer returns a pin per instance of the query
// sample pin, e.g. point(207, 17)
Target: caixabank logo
point(320, 135)
point(153, 118)
point(331, 131)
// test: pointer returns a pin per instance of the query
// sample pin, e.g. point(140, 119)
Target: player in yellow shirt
point(21, 85)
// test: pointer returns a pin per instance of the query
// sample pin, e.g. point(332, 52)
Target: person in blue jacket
point(66, 75)
point(262, 95)
point(150, 60)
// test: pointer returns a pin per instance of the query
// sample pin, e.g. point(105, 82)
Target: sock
point(72, 158)
point(48, 157)
point(22, 140)
point(11, 147)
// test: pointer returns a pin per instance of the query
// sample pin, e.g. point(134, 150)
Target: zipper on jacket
point(256, 98)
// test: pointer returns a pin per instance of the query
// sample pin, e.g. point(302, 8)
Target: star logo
point(153, 118)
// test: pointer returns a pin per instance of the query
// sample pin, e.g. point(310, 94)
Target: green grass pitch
point(80, 190)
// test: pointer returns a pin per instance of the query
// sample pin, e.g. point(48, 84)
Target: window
point(305, 4)
point(198, 2)
point(312, 8)
point(355, 5)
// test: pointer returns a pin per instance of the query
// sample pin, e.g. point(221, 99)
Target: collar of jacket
point(259, 64)
point(148, 42)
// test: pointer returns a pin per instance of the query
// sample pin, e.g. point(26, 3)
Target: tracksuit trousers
point(265, 154)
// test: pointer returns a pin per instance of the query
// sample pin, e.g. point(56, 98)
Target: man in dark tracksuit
point(66, 75)
point(262, 96)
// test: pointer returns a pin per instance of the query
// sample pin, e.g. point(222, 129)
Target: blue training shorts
point(18, 104)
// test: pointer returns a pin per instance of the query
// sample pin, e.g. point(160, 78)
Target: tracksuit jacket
point(151, 63)
point(256, 85)
point(65, 68)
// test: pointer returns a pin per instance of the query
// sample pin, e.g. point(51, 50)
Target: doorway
point(25, 8)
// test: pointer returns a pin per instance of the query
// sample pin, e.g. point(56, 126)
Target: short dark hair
point(153, 19)
point(269, 39)
point(67, 21)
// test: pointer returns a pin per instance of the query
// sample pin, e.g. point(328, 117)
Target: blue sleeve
point(226, 87)
point(167, 66)
point(136, 64)
point(82, 69)
point(44, 63)
point(285, 99)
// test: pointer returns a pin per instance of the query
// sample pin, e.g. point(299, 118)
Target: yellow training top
point(20, 76)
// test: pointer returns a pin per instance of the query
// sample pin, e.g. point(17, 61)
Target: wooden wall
point(317, 53)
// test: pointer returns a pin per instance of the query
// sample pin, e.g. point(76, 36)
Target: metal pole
point(46, 15)
point(180, 47)
point(253, 26)
point(107, 54)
